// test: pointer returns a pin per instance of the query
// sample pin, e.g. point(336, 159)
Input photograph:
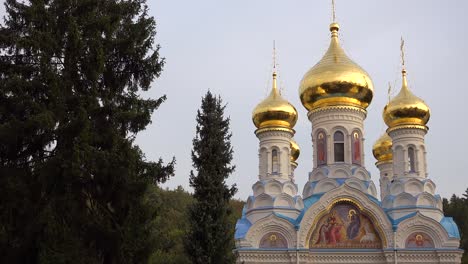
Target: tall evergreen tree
point(457, 207)
point(72, 182)
point(211, 235)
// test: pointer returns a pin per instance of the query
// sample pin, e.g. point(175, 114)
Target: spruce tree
point(72, 182)
point(210, 239)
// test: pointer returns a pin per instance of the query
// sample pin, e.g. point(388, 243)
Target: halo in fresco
point(273, 240)
point(419, 240)
point(345, 226)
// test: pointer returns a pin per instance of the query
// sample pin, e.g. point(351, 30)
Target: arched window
point(411, 160)
point(338, 141)
point(356, 148)
point(321, 149)
point(274, 161)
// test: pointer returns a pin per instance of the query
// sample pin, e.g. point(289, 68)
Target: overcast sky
point(226, 46)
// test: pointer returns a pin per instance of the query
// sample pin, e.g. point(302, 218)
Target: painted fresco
point(273, 240)
point(419, 240)
point(345, 227)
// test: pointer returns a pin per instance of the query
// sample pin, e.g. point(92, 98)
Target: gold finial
point(334, 27)
point(403, 70)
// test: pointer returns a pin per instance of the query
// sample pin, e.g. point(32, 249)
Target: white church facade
point(339, 217)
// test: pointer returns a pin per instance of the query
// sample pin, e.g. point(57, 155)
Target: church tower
point(409, 189)
point(336, 92)
point(383, 153)
point(275, 193)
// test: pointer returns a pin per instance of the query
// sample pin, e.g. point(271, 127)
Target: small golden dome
point(406, 108)
point(336, 80)
point(382, 148)
point(274, 111)
point(295, 150)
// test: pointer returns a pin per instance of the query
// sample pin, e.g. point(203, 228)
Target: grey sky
point(226, 46)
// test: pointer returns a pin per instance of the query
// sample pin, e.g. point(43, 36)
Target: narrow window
point(338, 139)
point(411, 160)
point(274, 161)
point(321, 149)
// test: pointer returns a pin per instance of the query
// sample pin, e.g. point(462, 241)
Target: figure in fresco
point(321, 149)
point(419, 240)
point(330, 232)
point(369, 237)
point(356, 148)
point(345, 226)
point(273, 240)
point(354, 224)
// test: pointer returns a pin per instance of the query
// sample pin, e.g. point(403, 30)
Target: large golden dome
point(295, 150)
point(336, 80)
point(382, 148)
point(274, 111)
point(406, 108)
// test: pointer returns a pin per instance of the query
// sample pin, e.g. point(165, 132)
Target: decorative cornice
point(378, 163)
point(251, 256)
point(275, 129)
point(340, 108)
point(408, 128)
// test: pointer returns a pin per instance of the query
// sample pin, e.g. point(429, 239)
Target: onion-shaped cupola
point(274, 111)
point(406, 109)
point(295, 151)
point(336, 80)
point(382, 149)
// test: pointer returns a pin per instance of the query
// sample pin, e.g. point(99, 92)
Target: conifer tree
point(72, 182)
point(210, 239)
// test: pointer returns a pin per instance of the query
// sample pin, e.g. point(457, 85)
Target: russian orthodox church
point(339, 217)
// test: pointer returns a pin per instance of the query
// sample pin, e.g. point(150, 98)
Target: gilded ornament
point(406, 109)
point(336, 80)
point(382, 148)
point(274, 111)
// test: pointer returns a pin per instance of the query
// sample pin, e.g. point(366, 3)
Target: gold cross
point(333, 10)
point(402, 52)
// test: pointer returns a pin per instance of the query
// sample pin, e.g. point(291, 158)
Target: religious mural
point(419, 240)
point(273, 240)
point(345, 227)
point(356, 148)
point(321, 149)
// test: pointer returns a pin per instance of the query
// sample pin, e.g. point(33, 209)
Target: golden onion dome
point(336, 80)
point(274, 111)
point(406, 108)
point(382, 148)
point(295, 150)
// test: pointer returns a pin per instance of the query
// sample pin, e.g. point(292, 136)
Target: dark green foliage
point(73, 184)
point(171, 224)
point(457, 207)
point(210, 238)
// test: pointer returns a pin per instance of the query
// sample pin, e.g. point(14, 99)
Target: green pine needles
point(73, 183)
point(210, 239)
